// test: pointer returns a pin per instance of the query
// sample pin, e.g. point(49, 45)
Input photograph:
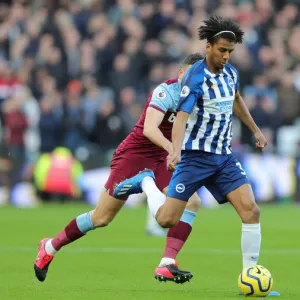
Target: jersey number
point(172, 118)
point(242, 170)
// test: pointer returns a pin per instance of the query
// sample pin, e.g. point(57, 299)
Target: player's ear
point(208, 47)
point(180, 73)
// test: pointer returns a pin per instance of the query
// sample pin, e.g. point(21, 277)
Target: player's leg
point(101, 216)
point(166, 210)
point(162, 179)
point(168, 270)
point(184, 183)
point(106, 209)
point(153, 228)
point(231, 183)
point(178, 235)
point(242, 199)
point(187, 179)
point(182, 186)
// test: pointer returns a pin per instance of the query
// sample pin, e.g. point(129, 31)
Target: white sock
point(151, 221)
point(49, 248)
point(251, 240)
point(155, 197)
point(166, 261)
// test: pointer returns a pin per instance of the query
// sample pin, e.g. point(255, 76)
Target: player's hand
point(172, 160)
point(261, 141)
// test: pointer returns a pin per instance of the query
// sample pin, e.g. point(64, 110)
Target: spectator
point(130, 109)
point(121, 75)
point(289, 100)
point(15, 127)
point(112, 128)
point(94, 99)
point(50, 126)
point(74, 134)
point(118, 51)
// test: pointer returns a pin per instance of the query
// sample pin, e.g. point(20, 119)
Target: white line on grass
point(125, 250)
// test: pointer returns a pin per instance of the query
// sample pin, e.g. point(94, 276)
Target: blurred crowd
point(77, 73)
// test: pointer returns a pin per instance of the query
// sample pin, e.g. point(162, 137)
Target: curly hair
point(216, 27)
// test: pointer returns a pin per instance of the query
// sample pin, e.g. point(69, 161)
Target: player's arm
point(153, 119)
point(241, 111)
point(178, 131)
point(161, 102)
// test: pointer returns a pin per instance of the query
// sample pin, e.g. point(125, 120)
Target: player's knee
point(100, 220)
point(167, 222)
point(251, 214)
point(255, 213)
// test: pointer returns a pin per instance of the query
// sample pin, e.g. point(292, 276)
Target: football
point(255, 281)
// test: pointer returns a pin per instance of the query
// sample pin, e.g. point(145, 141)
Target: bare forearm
point(178, 135)
point(241, 111)
point(157, 137)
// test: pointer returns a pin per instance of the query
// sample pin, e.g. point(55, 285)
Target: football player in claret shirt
point(147, 146)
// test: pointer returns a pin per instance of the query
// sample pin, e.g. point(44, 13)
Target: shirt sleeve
point(191, 91)
point(236, 78)
point(161, 99)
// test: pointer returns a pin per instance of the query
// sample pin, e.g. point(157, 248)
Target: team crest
point(185, 91)
point(230, 82)
point(180, 188)
point(161, 95)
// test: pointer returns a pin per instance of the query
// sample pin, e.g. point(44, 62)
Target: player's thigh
point(171, 212)
point(106, 209)
point(193, 203)
point(123, 166)
point(181, 188)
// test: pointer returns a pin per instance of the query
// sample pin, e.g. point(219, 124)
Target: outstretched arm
point(153, 119)
point(241, 111)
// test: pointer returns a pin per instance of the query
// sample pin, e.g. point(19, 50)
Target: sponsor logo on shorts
point(180, 188)
point(185, 91)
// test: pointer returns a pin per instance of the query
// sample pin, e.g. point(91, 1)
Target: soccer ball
point(255, 281)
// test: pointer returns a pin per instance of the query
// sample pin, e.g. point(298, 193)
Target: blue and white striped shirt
point(208, 98)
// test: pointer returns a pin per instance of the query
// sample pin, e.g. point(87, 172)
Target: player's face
point(219, 53)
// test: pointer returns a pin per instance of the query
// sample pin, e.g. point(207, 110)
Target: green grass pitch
point(117, 262)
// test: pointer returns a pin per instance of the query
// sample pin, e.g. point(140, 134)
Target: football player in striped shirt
point(201, 136)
